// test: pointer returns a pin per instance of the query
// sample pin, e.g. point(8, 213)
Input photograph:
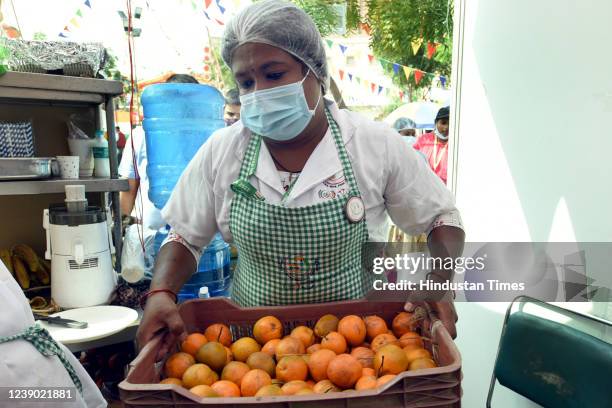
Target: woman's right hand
point(161, 316)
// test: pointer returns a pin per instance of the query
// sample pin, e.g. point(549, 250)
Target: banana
point(5, 257)
point(28, 255)
point(42, 273)
point(21, 273)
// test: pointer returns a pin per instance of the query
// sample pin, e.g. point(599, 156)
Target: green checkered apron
point(44, 343)
point(288, 256)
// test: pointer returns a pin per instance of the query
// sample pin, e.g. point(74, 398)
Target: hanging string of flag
point(372, 86)
point(389, 66)
point(74, 20)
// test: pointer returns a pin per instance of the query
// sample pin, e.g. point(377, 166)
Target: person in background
point(131, 198)
point(121, 140)
point(434, 145)
point(29, 357)
point(406, 128)
point(231, 111)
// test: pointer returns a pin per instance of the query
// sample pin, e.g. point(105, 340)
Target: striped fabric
point(16, 139)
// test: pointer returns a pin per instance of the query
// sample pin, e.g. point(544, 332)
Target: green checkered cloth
point(44, 343)
point(288, 256)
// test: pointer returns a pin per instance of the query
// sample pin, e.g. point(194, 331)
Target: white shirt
point(21, 365)
point(143, 207)
point(394, 181)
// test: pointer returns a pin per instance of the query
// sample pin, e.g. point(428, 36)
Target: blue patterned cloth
point(16, 139)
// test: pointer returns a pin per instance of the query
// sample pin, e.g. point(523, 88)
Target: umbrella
point(423, 114)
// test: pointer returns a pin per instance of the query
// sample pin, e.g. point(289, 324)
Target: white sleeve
point(190, 211)
point(416, 199)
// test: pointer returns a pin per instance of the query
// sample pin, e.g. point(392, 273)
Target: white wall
point(530, 154)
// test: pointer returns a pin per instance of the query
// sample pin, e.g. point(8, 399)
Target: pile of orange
point(351, 353)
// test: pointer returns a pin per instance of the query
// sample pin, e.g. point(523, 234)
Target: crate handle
point(154, 344)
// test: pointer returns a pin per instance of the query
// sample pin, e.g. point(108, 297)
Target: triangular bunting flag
point(87, 3)
point(407, 71)
point(418, 75)
point(387, 91)
point(74, 22)
point(396, 68)
point(350, 77)
point(416, 45)
point(79, 13)
point(384, 64)
point(341, 73)
point(431, 49)
point(443, 81)
point(371, 58)
point(401, 94)
point(221, 8)
point(62, 35)
point(358, 80)
point(343, 48)
point(380, 89)
point(373, 86)
point(66, 28)
point(207, 3)
point(330, 43)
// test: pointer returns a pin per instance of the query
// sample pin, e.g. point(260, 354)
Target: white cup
point(69, 167)
point(82, 148)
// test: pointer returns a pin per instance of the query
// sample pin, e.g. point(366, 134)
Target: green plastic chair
point(552, 356)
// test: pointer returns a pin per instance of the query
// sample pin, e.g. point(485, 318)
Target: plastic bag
point(74, 128)
point(136, 264)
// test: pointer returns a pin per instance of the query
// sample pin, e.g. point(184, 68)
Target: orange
point(344, 371)
point(363, 355)
point(411, 339)
point(310, 384)
point(226, 388)
point(253, 381)
point(385, 379)
point(403, 323)
point(267, 328)
point(421, 363)
point(313, 348)
point(244, 347)
point(318, 362)
point(366, 383)
point(175, 381)
point(234, 371)
point(390, 359)
point(262, 361)
point(220, 333)
point(304, 391)
point(193, 342)
point(374, 326)
point(326, 324)
point(269, 390)
point(335, 342)
point(291, 368)
point(292, 387)
point(270, 347)
point(212, 354)
point(199, 374)
point(304, 334)
point(382, 340)
point(367, 372)
point(325, 386)
point(230, 356)
point(289, 346)
point(353, 329)
point(177, 364)
point(414, 354)
point(204, 391)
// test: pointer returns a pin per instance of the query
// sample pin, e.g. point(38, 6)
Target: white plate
point(102, 321)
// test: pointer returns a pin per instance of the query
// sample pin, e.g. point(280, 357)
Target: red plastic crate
point(435, 387)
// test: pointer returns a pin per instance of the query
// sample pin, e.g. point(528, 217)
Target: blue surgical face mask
point(279, 113)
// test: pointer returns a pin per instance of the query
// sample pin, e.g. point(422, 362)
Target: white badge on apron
point(355, 209)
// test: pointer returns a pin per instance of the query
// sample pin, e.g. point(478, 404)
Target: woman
point(297, 184)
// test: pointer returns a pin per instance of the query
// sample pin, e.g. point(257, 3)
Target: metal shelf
point(50, 186)
point(28, 87)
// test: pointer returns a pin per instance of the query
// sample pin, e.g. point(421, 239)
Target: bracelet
point(145, 296)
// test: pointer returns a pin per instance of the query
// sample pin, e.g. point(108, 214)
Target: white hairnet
point(282, 25)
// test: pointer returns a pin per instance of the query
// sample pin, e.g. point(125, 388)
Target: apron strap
point(251, 157)
point(40, 338)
